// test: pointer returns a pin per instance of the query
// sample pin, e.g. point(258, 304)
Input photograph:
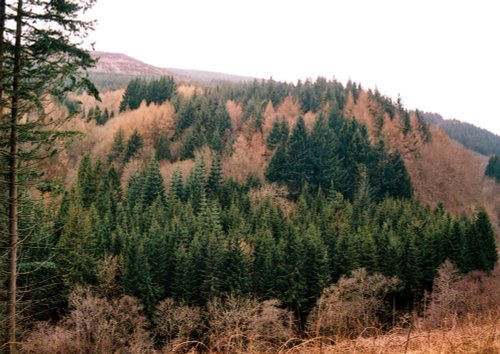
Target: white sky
point(441, 56)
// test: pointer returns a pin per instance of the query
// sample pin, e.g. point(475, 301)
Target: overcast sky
point(441, 56)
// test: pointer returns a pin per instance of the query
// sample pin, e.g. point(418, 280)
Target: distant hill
point(114, 70)
point(209, 76)
point(470, 136)
point(116, 63)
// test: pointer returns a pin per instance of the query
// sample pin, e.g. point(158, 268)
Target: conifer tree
point(87, 186)
point(40, 59)
point(214, 180)
point(162, 148)
point(482, 242)
point(196, 186)
point(152, 188)
point(118, 147)
point(134, 144)
point(275, 135)
point(324, 160)
point(299, 167)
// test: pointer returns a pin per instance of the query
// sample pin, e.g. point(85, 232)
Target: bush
point(349, 307)
point(94, 325)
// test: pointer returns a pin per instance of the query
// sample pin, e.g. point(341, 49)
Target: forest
point(212, 222)
point(332, 205)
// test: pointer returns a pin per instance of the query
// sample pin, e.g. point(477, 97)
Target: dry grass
point(474, 335)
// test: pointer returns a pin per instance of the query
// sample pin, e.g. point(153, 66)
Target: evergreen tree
point(325, 166)
point(264, 265)
point(196, 186)
point(277, 170)
point(493, 167)
point(482, 242)
point(86, 181)
point(40, 57)
point(162, 148)
point(275, 135)
point(214, 180)
point(152, 188)
point(118, 147)
point(299, 167)
point(134, 144)
point(176, 189)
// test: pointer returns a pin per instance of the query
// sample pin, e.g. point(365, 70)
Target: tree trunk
point(13, 185)
point(2, 37)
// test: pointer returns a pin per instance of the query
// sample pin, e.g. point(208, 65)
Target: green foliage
point(118, 147)
point(331, 156)
point(134, 144)
point(153, 91)
point(493, 167)
point(206, 239)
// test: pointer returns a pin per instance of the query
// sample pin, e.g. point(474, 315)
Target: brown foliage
point(242, 325)
point(456, 296)
point(290, 109)
point(235, 112)
point(109, 99)
point(95, 325)
point(176, 323)
point(248, 157)
point(445, 171)
point(268, 118)
point(350, 306)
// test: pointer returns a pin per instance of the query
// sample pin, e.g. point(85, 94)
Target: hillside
point(441, 171)
point(215, 213)
point(472, 137)
point(114, 70)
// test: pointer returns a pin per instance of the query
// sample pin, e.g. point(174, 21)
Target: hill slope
point(470, 136)
point(114, 70)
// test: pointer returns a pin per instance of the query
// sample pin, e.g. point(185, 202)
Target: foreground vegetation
point(462, 316)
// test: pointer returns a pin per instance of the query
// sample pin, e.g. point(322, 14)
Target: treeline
point(152, 91)
point(202, 118)
point(210, 238)
point(470, 136)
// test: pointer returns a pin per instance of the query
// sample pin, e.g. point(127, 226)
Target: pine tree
point(118, 147)
point(134, 144)
point(87, 186)
point(483, 244)
point(264, 265)
point(152, 188)
point(324, 161)
point(299, 167)
point(277, 170)
point(176, 189)
point(275, 135)
point(196, 186)
point(162, 148)
point(214, 180)
point(39, 58)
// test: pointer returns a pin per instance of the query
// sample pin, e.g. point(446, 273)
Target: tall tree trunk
point(2, 49)
point(13, 184)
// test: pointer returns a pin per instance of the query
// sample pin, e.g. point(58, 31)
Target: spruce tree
point(152, 188)
point(134, 144)
point(40, 58)
point(275, 135)
point(299, 167)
